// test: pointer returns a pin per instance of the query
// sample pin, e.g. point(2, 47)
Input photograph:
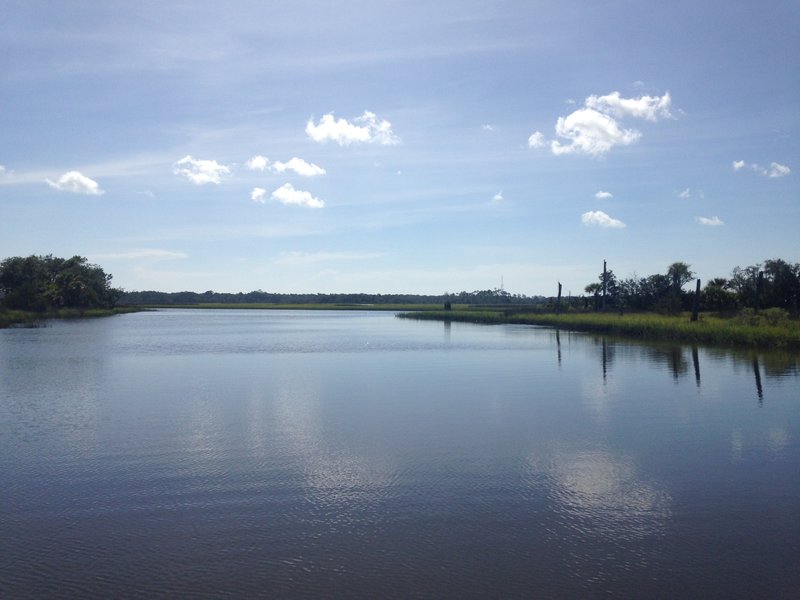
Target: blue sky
point(419, 147)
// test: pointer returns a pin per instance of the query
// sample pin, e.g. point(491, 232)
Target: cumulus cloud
point(257, 163)
point(200, 171)
point(594, 129)
point(601, 195)
point(590, 132)
point(258, 194)
point(775, 169)
point(299, 166)
point(710, 221)
point(685, 194)
point(536, 140)
point(286, 194)
point(650, 108)
point(77, 183)
point(364, 129)
point(598, 218)
point(498, 197)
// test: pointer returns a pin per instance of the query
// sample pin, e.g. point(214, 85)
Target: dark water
point(341, 454)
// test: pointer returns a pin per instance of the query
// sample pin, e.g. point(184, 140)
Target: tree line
point(481, 297)
point(44, 283)
point(773, 283)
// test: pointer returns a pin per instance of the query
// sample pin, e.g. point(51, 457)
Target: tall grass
point(22, 318)
point(710, 329)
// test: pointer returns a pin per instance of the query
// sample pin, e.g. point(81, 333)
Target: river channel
point(340, 454)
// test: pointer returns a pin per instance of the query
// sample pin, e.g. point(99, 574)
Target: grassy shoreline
point(744, 331)
point(22, 318)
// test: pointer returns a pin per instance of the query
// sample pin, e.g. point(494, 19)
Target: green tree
point(39, 283)
point(679, 274)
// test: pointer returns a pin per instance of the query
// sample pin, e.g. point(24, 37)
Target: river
point(249, 453)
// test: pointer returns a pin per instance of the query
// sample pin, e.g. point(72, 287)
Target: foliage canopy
point(42, 283)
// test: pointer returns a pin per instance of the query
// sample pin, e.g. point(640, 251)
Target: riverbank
point(22, 318)
point(769, 330)
point(297, 306)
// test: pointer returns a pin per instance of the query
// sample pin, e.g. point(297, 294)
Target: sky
point(399, 147)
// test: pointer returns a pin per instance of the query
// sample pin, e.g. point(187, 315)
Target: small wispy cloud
point(498, 197)
point(299, 166)
point(685, 194)
point(597, 218)
point(286, 194)
point(778, 170)
point(76, 183)
point(710, 221)
point(307, 258)
point(200, 171)
point(257, 163)
point(601, 195)
point(536, 140)
point(145, 254)
point(364, 129)
point(487, 127)
point(775, 169)
point(258, 195)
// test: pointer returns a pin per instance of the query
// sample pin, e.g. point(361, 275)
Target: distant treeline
point(46, 283)
point(482, 297)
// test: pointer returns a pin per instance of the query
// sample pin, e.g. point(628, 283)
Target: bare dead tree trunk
point(696, 302)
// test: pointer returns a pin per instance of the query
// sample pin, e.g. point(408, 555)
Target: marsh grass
point(758, 331)
point(21, 318)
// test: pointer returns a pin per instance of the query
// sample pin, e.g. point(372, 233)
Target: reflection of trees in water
point(681, 361)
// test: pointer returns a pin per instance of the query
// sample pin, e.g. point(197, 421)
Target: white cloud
point(687, 193)
point(200, 171)
point(590, 132)
point(487, 127)
point(77, 183)
point(148, 254)
point(644, 107)
point(778, 170)
point(257, 195)
point(2, 169)
point(775, 169)
point(299, 166)
point(600, 219)
point(710, 221)
point(364, 129)
point(536, 140)
point(257, 163)
point(286, 194)
point(601, 195)
point(594, 129)
point(498, 197)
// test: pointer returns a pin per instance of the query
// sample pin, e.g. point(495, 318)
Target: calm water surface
point(353, 454)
